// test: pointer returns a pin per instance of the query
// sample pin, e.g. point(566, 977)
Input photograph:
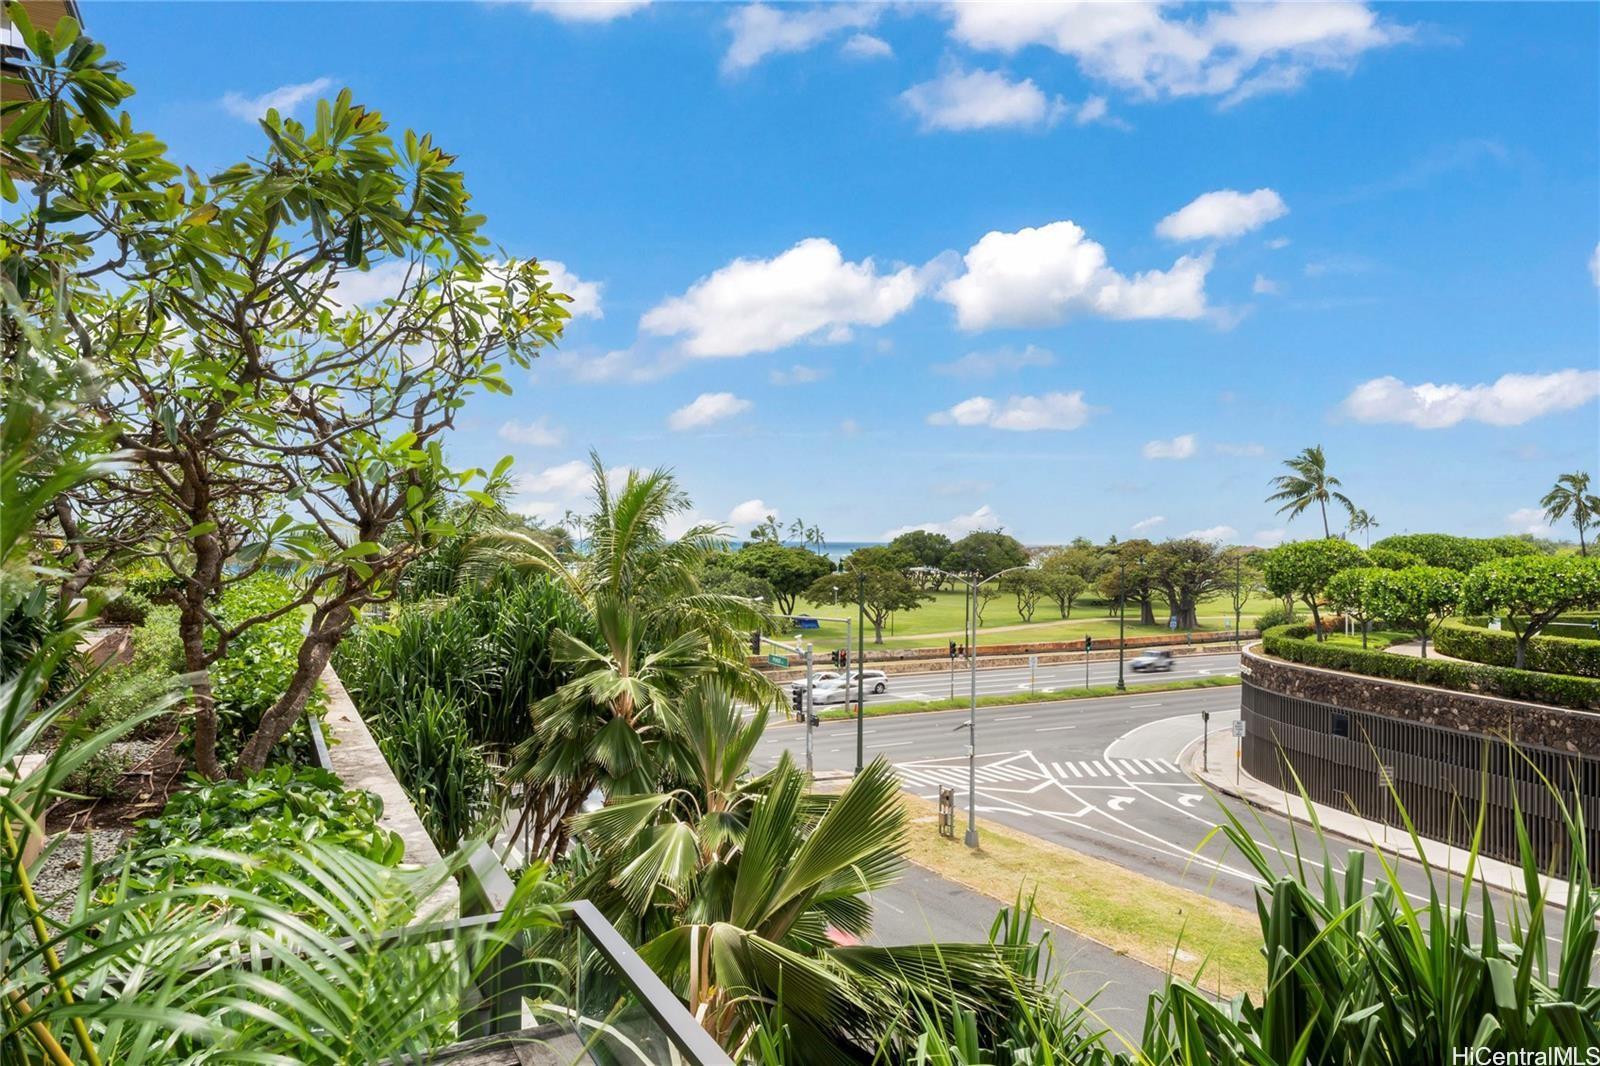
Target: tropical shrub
point(127, 609)
point(1393, 558)
point(116, 694)
point(1289, 642)
point(1416, 598)
point(269, 817)
point(1301, 570)
point(1275, 615)
point(258, 664)
point(434, 755)
point(1470, 639)
point(1445, 549)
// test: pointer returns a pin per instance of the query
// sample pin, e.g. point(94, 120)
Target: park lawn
point(941, 619)
point(1200, 939)
point(1377, 640)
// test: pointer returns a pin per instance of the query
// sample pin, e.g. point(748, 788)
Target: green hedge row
point(1546, 654)
point(1289, 642)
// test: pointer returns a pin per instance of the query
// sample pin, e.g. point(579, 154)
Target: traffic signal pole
point(811, 709)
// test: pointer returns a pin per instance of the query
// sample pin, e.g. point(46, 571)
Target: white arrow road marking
point(1116, 803)
point(1189, 799)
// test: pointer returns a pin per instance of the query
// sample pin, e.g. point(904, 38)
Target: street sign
point(807, 623)
point(1238, 727)
point(778, 660)
point(1033, 662)
point(1172, 622)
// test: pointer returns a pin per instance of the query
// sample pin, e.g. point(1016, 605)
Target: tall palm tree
point(1309, 483)
point(732, 884)
point(1570, 495)
point(657, 633)
point(1363, 523)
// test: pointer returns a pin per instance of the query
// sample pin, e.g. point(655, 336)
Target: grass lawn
point(1200, 939)
point(939, 620)
point(1007, 699)
point(1377, 640)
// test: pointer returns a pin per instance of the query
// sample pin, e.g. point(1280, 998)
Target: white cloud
point(588, 10)
point(362, 288)
point(1268, 538)
point(1510, 400)
point(1156, 52)
point(585, 295)
point(1145, 524)
point(1180, 447)
point(1528, 520)
point(567, 480)
point(1250, 450)
point(761, 305)
point(706, 409)
point(1053, 410)
point(284, 99)
point(1277, 243)
point(981, 99)
point(1594, 264)
point(538, 433)
point(1264, 286)
point(954, 528)
point(750, 513)
point(866, 46)
point(988, 364)
point(1220, 534)
point(760, 31)
point(1222, 214)
point(622, 365)
point(799, 374)
point(1040, 276)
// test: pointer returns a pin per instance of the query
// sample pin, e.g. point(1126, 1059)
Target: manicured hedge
point(1546, 654)
point(1289, 642)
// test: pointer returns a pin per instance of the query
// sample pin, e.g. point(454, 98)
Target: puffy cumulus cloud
point(1268, 538)
point(284, 99)
point(760, 30)
point(565, 480)
point(750, 513)
point(539, 433)
point(627, 366)
point(954, 528)
point(362, 288)
point(761, 305)
point(1528, 520)
point(1144, 525)
point(1264, 286)
point(1510, 400)
point(1156, 52)
point(1215, 534)
point(1222, 214)
point(1053, 410)
point(707, 409)
point(1040, 276)
point(988, 364)
point(981, 99)
point(584, 295)
point(588, 10)
point(866, 46)
point(1182, 446)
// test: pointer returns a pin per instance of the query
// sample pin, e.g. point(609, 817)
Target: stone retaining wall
point(1534, 724)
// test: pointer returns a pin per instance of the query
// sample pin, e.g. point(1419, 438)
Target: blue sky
point(1062, 270)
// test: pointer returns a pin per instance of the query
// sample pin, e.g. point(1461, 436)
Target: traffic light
point(952, 649)
point(835, 656)
point(844, 657)
point(755, 642)
point(1088, 644)
point(798, 698)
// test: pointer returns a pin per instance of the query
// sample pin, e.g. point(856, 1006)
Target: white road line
point(1101, 771)
point(1055, 768)
point(893, 744)
point(1139, 706)
point(1054, 728)
point(1014, 718)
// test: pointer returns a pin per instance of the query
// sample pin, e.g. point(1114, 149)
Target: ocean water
point(835, 550)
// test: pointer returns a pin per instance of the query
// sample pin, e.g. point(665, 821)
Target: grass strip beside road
point(1010, 699)
point(1209, 943)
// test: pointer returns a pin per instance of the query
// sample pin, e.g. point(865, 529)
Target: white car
point(818, 680)
point(843, 690)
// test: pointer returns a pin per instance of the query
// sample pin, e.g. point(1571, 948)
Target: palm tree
point(1309, 483)
point(656, 633)
point(1570, 495)
point(736, 887)
point(1363, 523)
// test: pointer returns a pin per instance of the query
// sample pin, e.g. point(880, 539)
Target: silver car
point(818, 680)
point(842, 690)
point(1152, 660)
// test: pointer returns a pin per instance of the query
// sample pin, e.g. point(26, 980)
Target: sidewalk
point(1223, 775)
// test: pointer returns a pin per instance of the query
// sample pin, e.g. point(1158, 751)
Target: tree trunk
point(1147, 614)
point(1316, 620)
point(1324, 506)
point(1522, 650)
point(202, 702)
point(315, 651)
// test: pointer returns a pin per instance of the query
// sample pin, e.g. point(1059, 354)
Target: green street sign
point(778, 660)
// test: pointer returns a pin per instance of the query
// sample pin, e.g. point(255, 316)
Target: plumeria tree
point(286, 342)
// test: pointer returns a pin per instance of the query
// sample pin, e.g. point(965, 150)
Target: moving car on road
point(1153, 660)
point(842, 690)
point(818, 680)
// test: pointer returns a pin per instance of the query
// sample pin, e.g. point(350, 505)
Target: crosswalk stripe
point(1075, 771)
point(1100, 771)
point(1057, 769)
point(1168, 767)
point(1088, 771)
point(1148, 767)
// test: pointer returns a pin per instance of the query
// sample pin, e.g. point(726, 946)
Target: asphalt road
point(940, 684)
point(1099, 776)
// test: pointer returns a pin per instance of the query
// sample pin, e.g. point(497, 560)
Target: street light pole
point(972, 720)
point(1122, 620)
point(861, 667)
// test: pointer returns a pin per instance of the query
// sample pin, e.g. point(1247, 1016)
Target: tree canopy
point(1530, 591)
point(985, 553)
point(787, 569)
point(1302, 569)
